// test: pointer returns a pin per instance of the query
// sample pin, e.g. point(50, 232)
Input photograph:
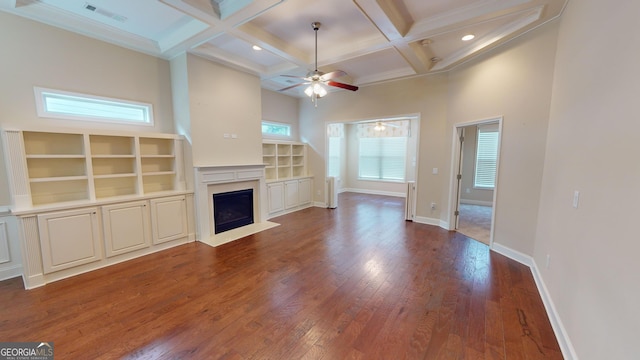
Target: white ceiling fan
point(316, 79)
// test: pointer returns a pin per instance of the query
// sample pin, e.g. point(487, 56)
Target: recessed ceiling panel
point(433, 8)
point(377, 66)
point(149, 19)
point(447, 43)
point(342, 23)
point(243, 49)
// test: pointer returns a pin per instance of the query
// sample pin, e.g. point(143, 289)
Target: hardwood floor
point(357, 282)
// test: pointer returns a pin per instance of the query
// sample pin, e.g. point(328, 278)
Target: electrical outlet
point(433, 206)
point(576, 198)
point(548, 261)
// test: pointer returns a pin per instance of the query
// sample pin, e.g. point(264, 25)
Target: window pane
point(383, 158)
point(66, 105)
point(486, 157)
point(276, 129)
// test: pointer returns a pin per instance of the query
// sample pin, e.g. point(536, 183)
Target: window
point(333, 168)
point(276, 129)
point(73, 106)
point(486, 157)
point(382, 158)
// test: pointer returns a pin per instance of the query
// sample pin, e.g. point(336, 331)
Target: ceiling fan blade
point(333, 75)
point(342, 85)
point(292, 86)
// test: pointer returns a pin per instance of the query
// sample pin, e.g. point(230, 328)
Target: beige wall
point(34, 54)
point(593, 147)
point(425, 96)
point(513, 81)
point(281, 108)
point(223, 101)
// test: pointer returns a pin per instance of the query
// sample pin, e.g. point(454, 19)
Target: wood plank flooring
point(357, 282)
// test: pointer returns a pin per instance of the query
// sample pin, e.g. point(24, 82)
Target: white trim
point(427, 220)
point(568, 351)
point(374, 192)
point(10, 272)
point(512, 254)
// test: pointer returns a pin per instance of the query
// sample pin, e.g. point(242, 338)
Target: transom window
point(276, 129)
point(74, 106)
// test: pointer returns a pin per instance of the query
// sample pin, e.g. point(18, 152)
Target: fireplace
point(213, 180)
point(232, 210)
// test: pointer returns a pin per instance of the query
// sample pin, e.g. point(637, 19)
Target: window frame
point(42, 111)
point(275, 123)
point(493, 129)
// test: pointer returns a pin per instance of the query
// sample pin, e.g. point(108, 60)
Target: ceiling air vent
point(106, 13)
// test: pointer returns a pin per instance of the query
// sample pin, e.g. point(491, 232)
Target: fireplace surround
point(210, 180)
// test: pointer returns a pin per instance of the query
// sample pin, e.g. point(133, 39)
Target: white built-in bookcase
point(89, 199)
point(284, 160)
point(53, 167)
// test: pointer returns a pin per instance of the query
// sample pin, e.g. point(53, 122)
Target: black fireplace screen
point(232, 209)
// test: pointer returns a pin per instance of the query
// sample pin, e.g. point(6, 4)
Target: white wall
point(34, 54)
point(281, 108)
point(592, 146)
point(513, 81)
point(223, 101)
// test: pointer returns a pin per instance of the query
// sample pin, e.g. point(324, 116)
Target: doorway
point(474, 184)
point(374, 156)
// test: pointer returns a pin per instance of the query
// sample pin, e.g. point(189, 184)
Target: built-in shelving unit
point(56, 166)
point(158, 164)
point(113, 159)
point(284, 160)
point(89, 199)
point(85, 167)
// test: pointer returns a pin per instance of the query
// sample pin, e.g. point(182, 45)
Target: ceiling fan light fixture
point(315, 90)
point(379, 126)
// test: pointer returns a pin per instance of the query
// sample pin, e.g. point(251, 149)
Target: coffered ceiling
point(371, 40)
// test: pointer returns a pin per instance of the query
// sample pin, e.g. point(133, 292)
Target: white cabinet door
point(276, 197)
point(127, 227)
point(304, 191)
point(69, 238)
point(169, 218)
point(290, 194)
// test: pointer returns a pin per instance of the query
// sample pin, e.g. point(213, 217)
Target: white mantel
point(216, 179)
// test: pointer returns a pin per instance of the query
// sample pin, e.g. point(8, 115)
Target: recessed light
point(257, 48)
point(468, 37)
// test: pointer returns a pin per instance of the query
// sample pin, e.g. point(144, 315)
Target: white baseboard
point(10, 272)
point(568, 352)
point(320, 204)
point(426, 220)
point(476, 202)
point(512, 254)
point(375, 192)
